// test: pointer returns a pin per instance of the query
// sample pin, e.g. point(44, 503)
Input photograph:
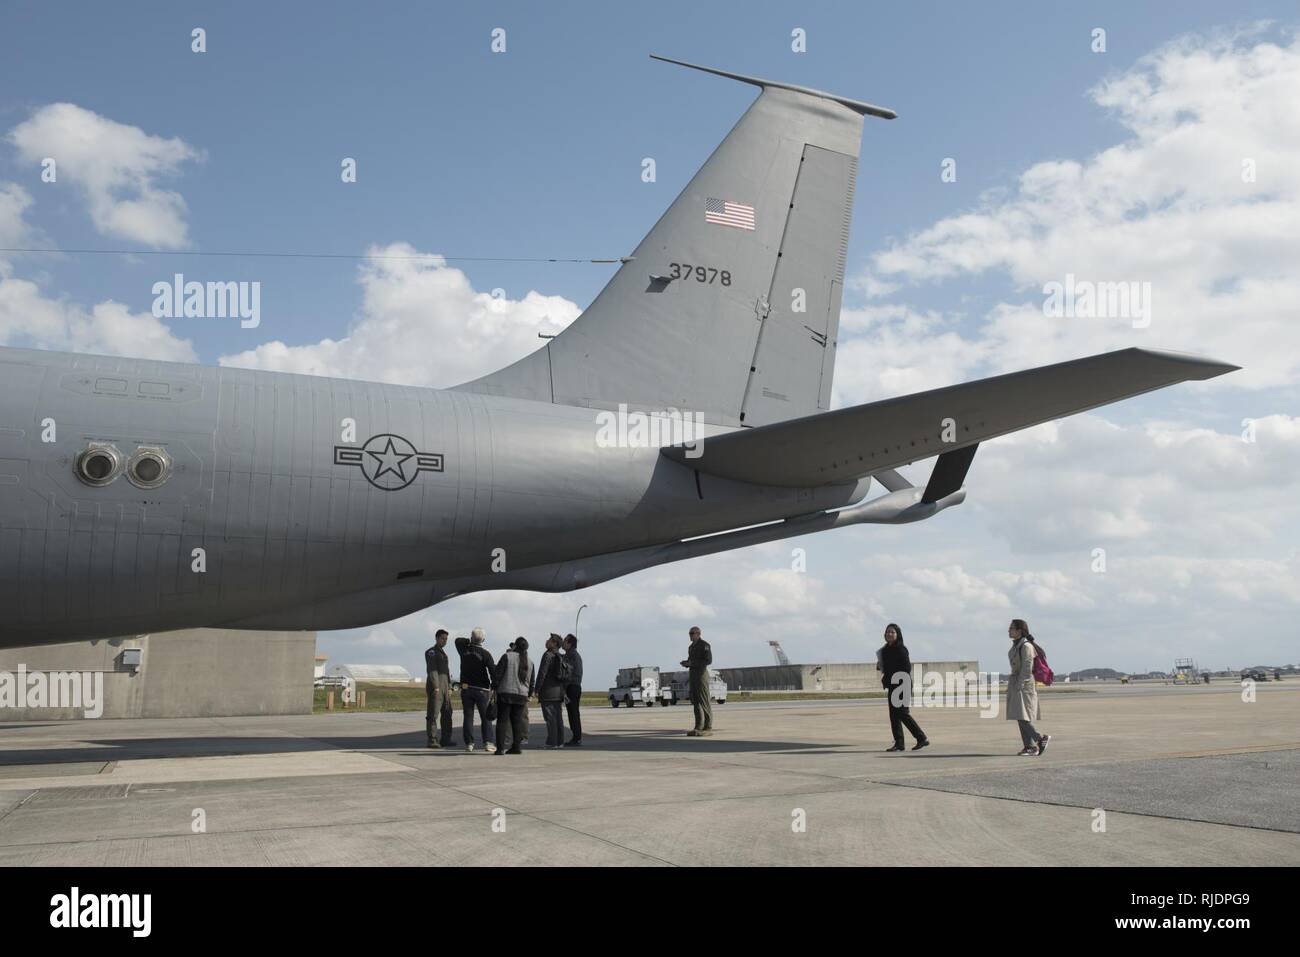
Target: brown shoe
point(692, 733)
point(707, 732)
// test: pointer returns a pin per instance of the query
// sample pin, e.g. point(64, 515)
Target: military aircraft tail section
point(729, 307)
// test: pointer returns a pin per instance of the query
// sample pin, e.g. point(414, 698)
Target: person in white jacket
point(1022, 693)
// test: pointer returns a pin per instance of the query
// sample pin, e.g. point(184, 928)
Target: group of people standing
point(498, 692)
point(895, 666)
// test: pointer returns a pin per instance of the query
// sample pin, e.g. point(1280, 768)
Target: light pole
point(575, 621)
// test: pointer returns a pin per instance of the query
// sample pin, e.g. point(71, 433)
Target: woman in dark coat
point(896, 676)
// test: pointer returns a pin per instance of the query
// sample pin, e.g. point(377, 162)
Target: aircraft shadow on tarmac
point(22, 725)
point(128, 749)
point(677, 743)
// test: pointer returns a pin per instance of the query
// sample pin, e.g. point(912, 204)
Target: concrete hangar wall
point(201, 672)
point(848, 676)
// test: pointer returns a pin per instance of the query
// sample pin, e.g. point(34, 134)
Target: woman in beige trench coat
point(1022, 693)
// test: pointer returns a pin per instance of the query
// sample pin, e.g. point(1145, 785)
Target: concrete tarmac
point(1184, 775)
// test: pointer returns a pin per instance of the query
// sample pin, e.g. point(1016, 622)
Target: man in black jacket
point(573, 689)
point(896, 676)
point(476, 684)
point(698, 658)
point(437, 687)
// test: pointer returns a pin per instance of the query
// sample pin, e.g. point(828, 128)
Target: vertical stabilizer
point(730, 306)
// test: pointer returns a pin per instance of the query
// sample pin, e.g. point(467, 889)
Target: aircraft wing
point(846, 444)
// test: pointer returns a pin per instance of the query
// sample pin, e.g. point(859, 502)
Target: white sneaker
point(491, 748)
point(470, 746)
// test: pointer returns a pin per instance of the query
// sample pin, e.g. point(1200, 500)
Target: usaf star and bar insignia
point(389, 462)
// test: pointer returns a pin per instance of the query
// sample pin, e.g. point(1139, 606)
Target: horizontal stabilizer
point(840, 446)
point(867, 109)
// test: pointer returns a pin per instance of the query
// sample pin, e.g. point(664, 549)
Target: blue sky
point(537, 152)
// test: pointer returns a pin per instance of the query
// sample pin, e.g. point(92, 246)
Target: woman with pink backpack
point(1027, 663)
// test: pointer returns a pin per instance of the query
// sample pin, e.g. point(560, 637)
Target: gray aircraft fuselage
point(140, 496)
point(298, 528)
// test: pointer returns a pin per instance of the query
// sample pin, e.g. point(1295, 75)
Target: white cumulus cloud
point(14, 201)
point(117, 167)
point(684, 607)
point(1201, 200)
point(421, 322)
point(31, 319)
point(381, 638)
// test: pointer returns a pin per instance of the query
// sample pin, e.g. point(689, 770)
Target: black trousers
point(475, 699)
point(900, 718)
point(572, 700)
point(512, 721)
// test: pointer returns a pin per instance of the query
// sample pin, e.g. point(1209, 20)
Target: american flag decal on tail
point(722, 212)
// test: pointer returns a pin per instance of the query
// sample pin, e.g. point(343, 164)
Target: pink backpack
point(1042, 670)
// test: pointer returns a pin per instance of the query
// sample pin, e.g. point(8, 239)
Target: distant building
point(851, 676)
point(320, 666)
point(193, 673)
point(383, 673)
